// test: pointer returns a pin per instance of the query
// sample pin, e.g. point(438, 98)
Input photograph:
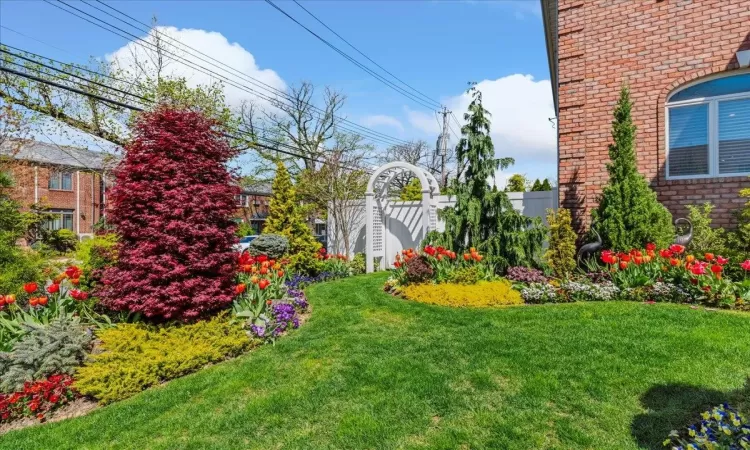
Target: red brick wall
point(246, 214)
point(84, 194)
point(654, 46)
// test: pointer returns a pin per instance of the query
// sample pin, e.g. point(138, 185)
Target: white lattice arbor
point(378, 205)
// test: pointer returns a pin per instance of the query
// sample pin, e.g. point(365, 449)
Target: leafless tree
point(420, 154)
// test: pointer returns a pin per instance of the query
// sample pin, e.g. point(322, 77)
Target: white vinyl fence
point(402, 222)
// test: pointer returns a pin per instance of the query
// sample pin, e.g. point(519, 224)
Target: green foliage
point(358, 264)
point(629, 214)
point(284, 218)
point(96, 254)
point(465, 275)
point(244, 229)
point(516, 183)
point(61, 241)
point(272, 245)
point(561, 253)
point(484, 217)
point(44, 350)
point(137, 356)
point(540, 186)
point(705, 238)
point(481, 294)
point(412, 192)
point(18, 266)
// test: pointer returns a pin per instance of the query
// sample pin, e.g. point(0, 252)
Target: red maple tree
point(172, 207)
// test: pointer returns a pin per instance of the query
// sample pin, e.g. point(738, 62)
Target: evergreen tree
point(516, 183)
point(537, 186)
point(561, 252)
point(546, 186)
point(629, 215)
point(483, 217)
point(284, 218)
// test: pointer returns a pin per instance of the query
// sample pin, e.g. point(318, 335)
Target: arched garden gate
point(378, 207)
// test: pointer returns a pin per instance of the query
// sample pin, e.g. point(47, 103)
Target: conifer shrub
point(57, 348)
point(272, 245)
point(481, 294)
point(172, 207)
point(706, 239)
point(561, 253)
point(136, 356)
point(629, 214)
point(285, 218)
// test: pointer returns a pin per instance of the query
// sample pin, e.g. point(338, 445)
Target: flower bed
point(666, 275)
point(38, 398)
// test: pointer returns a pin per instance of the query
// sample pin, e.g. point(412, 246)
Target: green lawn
point(371, 371)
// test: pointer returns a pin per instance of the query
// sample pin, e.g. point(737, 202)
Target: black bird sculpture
point(685, 239)
point(590, 248)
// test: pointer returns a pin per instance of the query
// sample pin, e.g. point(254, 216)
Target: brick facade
point(85, 198)
point(654, 46)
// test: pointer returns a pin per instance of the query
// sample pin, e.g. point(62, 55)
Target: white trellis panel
point(378, 231)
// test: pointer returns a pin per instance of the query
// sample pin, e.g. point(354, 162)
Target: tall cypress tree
point(285, 218)
point(629, 215)
point(483, 217)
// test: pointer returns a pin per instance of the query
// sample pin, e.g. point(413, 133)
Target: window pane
point(720, 86)
point(688, 140)
point(734, 136)
point(68, 221)
point(56, 222)
point(67, 181)
point(54, 180)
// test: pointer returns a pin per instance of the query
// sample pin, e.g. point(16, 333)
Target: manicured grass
point(374, 372)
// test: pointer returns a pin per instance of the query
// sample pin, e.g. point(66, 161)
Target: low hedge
point(137, 356)
point(481, 294)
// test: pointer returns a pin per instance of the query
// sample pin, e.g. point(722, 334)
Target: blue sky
point(435, 46)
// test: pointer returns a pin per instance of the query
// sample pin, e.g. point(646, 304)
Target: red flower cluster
point(635, 256)
point(7, 300)
point(79, 295)
point(323, 254)
point(37, 398)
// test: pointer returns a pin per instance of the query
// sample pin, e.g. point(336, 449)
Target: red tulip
point(280, 273)
point(624, 257)
point(623, 265)
point(263, 270)
point(30, 288)
point(42, 301)
point(32, 301)
point(709, 257)
point(264, 283)
point(269, 302)
point(53, 288)
point(746, 265)
point(722, 260)
point(674, 262)
point(677, 248)
point(261, 258)
point(466, 257)
point(73, 272)
point(239, 289)
point(665, 253)
point(651, 246)
point(397, 264)
point(638, 260)
point(439, 257)
point(716, 268)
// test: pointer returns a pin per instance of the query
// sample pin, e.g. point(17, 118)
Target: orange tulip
point(239, 289)
point(263, 283)
point(674, 262)
point(10, 299)
point(623, 265)
point(689, 258)
point(709, 256)
point(638, 260)
point(254, 279)
point(466, 256)
point(280, 273)
point(264, 270)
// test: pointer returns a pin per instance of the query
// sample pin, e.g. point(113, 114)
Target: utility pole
point(442, 148)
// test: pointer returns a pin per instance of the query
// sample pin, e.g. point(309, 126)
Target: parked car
point(244, 243)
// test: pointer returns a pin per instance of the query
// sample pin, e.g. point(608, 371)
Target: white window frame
point(713, 128)
point(59, 175)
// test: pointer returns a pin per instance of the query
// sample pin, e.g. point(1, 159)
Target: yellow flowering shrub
point(136, 356)
point(481, 294)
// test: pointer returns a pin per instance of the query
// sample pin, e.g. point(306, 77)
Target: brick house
point(70, 181)
point(252, 205)
point(686, 63)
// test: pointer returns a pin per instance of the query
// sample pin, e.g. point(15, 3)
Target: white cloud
point(382, 120)
point(521, 108)
point(210, 43)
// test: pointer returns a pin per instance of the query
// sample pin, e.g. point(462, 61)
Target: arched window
point(708, 129)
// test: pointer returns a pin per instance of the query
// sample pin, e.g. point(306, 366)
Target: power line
point(358, 51)
point(190, 64)
point(240, 73)
point(355, 62)
point(34, 39)
point(359, 129)
point(138, 109)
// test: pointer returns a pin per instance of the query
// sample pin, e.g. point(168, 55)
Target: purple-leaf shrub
point(172, 207)
point(525, 275)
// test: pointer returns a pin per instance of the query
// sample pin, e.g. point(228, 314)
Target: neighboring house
point(686, 65)
point(253, 204)
point(70, 181)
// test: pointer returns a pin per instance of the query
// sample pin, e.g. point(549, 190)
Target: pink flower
point(746, 265)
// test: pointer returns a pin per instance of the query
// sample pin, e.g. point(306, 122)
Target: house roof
point(58, 155)
point(258, 188)
point(549, 17)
